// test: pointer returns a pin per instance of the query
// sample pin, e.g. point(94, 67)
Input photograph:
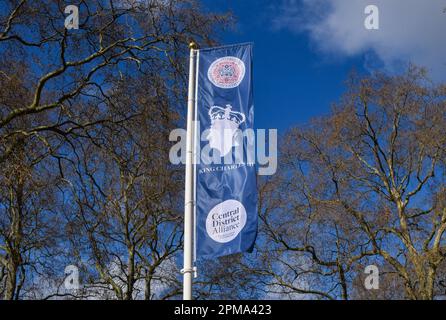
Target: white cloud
point(410, 30)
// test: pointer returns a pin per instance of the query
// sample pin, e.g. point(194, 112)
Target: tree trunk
point(11, 281)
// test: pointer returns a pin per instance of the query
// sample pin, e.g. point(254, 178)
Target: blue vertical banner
point(225, 189)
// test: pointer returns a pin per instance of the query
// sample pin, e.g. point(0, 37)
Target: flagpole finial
point(193, 45)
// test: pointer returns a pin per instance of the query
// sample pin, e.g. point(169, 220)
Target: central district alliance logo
point(225, 221)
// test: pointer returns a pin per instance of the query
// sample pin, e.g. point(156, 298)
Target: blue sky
point(292, 80)
point(305, 49)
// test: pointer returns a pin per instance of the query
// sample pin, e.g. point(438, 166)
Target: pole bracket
point(192, 270)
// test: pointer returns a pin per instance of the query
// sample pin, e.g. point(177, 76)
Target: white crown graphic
point(217, 113)
point(224, 126)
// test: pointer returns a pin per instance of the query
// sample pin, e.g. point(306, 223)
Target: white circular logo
point(226, 72)
point(225, 221)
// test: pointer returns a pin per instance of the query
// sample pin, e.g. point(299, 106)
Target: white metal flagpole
point(188, 268)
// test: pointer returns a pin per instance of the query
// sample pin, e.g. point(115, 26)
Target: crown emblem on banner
point(224, 126)
point(217, 113)
point(227, 71)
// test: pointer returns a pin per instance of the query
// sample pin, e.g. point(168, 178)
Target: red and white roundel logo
point(226, 72)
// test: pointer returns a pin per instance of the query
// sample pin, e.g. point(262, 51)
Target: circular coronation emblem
point(225, 221)
point(226, 72)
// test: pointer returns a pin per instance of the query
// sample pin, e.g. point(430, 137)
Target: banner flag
point(225, 173)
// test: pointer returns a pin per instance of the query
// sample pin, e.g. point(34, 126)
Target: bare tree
point(68, 113)
point(126, 196)
point(363, 185)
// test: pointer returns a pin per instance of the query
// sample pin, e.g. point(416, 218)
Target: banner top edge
point(243, 44)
